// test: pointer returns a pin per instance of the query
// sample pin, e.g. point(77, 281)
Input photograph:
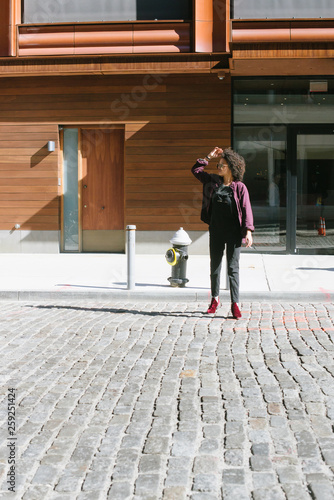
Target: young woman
point(226, 208)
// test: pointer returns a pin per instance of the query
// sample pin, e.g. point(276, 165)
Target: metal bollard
point(131, 253)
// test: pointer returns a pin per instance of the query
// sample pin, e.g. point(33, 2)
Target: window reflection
point(39, 11)
point(315, 185)
point(282, 101)
point(264, 9)
point(265, 153)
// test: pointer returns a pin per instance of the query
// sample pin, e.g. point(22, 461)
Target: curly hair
point(235, 162)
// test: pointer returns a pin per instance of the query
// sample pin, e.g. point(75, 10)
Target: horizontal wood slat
point(37, 144)
point(15, 129)
point(138, 197)
point(175, 143)
point(176, 219)
point(29, 204)
point(158, 175)
point(172, 156)
point(169, 122)
point(97, 99)
point(28, 189)
point(23, 175)
point(170, 115)
point(24, 162)
point(166, 189)
point(28, 182)
point(30, 226)
point(98, 85)
point(169, 105)
point(24, 212)
point(24, 151)
point(47, 199)
point(175, 182)
point(291, 54)
point(53, 88)
point(44, 219)
point(181, 209)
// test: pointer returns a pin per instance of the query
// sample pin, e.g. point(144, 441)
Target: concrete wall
point(147, 242)
point(17, 241)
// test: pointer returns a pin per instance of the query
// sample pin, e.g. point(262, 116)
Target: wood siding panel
point(161, 193)
point(169, 122)
point(28, 177)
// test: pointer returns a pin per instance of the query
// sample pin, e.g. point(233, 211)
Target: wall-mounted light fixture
point(51, 146)
point(221, 75)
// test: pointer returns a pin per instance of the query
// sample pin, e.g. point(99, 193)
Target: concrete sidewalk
point(104, 276)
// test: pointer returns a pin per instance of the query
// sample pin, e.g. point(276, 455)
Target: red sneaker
point(236, 311)
point(213, 306)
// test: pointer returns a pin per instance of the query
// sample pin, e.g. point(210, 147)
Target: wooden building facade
point(101, 120)
point(138, 138)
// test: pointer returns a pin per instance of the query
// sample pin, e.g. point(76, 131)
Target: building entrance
point(284, 130)
point(93, 189)
point(290, 177)
point(315, 191)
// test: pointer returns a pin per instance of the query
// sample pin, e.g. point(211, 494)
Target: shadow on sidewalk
point(315, 268)
point(112, 310)
point(153, 285)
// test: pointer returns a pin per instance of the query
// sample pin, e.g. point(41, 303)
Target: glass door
point(264, 149)
point(315, 191)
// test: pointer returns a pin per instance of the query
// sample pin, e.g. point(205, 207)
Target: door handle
point(85, 186)
point(103, 208)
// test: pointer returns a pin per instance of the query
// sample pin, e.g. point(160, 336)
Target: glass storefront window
point(282, 101)
point(65, 11)
point(264, 150)
point(284, 129)
point(315, 191)
point(282, 9)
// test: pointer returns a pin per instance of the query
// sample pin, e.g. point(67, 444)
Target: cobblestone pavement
point(159, 401)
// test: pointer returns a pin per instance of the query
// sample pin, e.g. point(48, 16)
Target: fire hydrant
point(177, 257)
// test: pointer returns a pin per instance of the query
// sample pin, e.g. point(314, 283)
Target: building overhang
point(278, 62)
point(106, 65)
point(282, 47)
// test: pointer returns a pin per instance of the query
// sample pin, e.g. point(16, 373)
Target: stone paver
point(160, 401)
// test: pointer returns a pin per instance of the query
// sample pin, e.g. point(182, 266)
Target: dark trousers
point(218, 240)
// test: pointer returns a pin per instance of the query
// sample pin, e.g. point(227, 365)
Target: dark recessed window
point(71, 11)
